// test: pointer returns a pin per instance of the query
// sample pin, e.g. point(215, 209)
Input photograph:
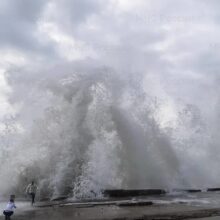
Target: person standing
point(9, 210)
point(31, 190)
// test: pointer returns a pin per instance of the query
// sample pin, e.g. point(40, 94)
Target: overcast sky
point(177, 40)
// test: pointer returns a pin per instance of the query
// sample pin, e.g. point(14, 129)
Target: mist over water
point(79, 132)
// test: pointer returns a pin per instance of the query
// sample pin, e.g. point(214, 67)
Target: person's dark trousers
point(8, 214)
point(32, 198)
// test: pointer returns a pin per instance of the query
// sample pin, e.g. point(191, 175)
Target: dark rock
point(45, 199)
point(136, 203)
point(187, 190)
point(59, 198)
point(213, 189)
point(132, 192)
point(193, 190)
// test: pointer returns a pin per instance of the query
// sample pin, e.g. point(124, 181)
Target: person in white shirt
point(31, 190)
point(9, 210)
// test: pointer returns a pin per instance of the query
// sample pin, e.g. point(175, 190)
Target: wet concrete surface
point(208, 218)
point(203, 205)
point(110, 212)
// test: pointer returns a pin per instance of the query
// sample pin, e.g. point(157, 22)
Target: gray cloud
point(19, 26)
point(78, 11)
point(149, 37)
point(164, 39)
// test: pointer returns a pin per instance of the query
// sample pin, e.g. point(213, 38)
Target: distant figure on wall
point(9, 210)
point(31, 190)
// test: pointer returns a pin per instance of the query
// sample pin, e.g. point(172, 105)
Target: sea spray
point(87, 129)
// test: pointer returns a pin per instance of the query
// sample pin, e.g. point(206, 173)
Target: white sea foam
point(78, 133)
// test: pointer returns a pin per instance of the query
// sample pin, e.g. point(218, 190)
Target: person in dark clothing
point(31, 190)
